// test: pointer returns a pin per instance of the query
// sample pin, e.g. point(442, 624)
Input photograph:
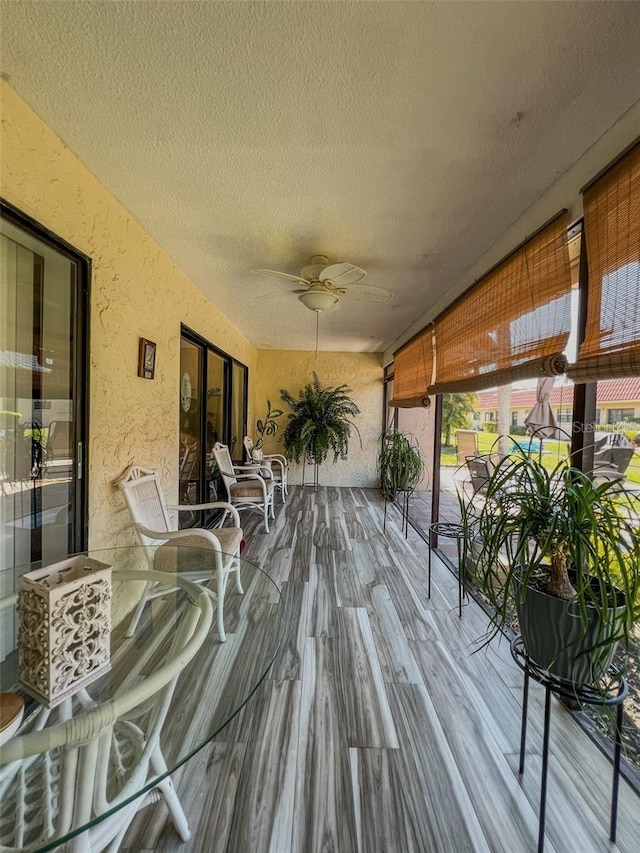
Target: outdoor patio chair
point(480, 469)
point(612, 463)
point(220, 546)
point(248, 486)
point(277, 464)
point(466, 444)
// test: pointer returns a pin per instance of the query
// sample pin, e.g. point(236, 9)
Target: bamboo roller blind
point(412, 371)
point(611, 345)
point(514, 323)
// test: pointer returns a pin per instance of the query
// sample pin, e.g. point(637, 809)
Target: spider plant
point(557, 545)
point(399, 464)
point(319, 423)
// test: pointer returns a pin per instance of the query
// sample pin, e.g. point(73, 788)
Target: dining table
point(75, 771)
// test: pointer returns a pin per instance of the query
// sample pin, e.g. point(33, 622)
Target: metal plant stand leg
point(616, 775)
point(405, 514)
point(523, 726)
point(449, 530)
point(461, 572)
point(587, 694)
point(545, 768)
point(316, 475)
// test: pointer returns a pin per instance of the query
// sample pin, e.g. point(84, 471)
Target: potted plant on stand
point(400, 466)
point(567, 554)
point(319, 423)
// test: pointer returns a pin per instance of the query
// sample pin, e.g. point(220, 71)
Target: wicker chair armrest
point(278, 458)
point(224, 505)
point(169, 536)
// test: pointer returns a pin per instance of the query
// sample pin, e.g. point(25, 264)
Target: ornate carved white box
point(64, 628)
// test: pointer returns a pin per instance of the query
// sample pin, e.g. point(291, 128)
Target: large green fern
point(319, 422)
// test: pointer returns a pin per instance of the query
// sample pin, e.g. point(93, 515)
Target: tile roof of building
point(609, 391)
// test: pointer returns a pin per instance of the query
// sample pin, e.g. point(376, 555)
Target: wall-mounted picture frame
point(146, 359)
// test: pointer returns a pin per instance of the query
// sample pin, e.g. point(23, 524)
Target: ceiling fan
point(322, 284)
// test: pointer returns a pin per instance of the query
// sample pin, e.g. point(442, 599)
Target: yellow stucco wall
point(362, 372)
point(136, 291)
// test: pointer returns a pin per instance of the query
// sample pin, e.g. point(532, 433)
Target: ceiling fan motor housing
point(312, 271)
point(318, 299)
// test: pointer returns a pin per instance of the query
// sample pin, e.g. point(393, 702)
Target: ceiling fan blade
point(342, 274)
point(368, 293)
point(277, 293)
point(283, 275)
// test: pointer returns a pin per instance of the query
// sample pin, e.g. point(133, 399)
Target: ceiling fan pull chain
point(317, 330)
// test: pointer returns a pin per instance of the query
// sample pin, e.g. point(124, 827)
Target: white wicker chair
point(276, 463)
point(97, 756)
point(150, 515)
point(246, 488)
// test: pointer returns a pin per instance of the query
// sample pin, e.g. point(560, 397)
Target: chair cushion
point(249, 489)
point(168, 554)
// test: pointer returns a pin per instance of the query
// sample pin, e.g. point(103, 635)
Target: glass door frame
point(205, 347)
point(79, 532)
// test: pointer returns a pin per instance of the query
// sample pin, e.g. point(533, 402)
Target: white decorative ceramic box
point(64, 628)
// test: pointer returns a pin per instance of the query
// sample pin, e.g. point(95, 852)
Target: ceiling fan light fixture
point(318, 300)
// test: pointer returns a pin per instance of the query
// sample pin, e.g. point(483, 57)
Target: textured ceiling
point(404, 137)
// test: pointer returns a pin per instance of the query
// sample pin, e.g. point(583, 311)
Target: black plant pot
point(558, 640)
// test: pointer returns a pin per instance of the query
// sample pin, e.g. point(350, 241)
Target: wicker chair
point(276, 463)
point(248, 486)
point(85, 767)
point(220, 547)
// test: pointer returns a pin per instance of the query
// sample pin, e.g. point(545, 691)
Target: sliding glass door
point(43, 373)
point(213, 407)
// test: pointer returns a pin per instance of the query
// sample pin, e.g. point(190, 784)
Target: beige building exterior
point(617, 402)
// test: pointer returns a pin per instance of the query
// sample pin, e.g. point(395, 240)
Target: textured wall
point(362, 372)
point(136, 291)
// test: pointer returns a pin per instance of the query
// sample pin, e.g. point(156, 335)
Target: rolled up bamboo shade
point(412, 371)
point(611, 345)
point(514, 323)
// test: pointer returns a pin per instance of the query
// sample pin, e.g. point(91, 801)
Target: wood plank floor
point(377, 730)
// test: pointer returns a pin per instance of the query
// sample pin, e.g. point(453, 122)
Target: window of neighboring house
point(598, 416)
point(616, 416)
point(514, 419)
point(565, 416)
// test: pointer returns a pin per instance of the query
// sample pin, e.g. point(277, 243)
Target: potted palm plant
point(319, 422)
point(400, 466)
point(566, 552)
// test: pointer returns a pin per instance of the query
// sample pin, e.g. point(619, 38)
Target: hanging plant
point(319, 422)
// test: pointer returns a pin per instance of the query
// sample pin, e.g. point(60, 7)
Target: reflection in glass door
point(216, 428)
point(42, 382)
point(190, 453)
point(238, 410)
point(213, 405)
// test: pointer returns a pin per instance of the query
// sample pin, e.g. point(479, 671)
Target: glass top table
point(88, 762)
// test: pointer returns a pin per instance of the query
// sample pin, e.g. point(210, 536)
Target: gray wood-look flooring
point(377, 730)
